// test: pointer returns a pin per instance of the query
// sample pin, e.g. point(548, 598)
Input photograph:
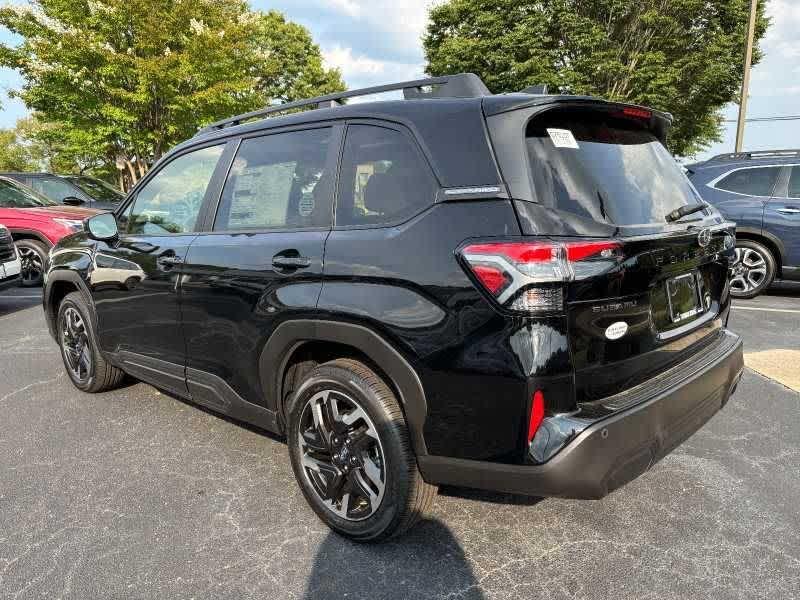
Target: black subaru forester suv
point(515, 292)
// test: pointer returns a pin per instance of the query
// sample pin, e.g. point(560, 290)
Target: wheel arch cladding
point(290, 335)
point(59, 284)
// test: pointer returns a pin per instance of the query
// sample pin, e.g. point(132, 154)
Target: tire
point(753, 271)
point(88, 370)
point(33, 255)
point(376, 438)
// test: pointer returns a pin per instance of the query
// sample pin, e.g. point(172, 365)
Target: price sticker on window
point(563, 138)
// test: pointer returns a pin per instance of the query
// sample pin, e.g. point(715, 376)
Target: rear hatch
point(657, 293)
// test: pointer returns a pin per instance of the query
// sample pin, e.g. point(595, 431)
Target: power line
point(767, 119)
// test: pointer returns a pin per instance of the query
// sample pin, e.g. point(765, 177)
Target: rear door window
point(383, 180)
point(604, 166)
point(279, 181)
point(755, 181)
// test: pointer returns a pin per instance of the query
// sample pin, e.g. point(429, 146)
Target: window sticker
point(306, 207)
point(563, 138)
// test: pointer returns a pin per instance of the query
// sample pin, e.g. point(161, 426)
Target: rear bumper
point(616, 449)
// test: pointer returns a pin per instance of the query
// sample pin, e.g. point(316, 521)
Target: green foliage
point(681, 56)
point(124, 80)
point(14, 155)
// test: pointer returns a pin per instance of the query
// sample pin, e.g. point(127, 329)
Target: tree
point(681, 56)
point(124, 80)
point(14, 155)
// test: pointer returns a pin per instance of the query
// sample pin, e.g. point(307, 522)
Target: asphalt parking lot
point(134, 494)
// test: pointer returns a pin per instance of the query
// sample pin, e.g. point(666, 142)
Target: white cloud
point(403, 22)
point(351, 8)
point(783, 36)
point(362, 71)
point(350, 65)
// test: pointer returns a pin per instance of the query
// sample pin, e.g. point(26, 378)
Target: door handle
point(170, 260)
point(788, 210)
point(282, 261)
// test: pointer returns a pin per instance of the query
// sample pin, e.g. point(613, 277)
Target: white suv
point(9, 261)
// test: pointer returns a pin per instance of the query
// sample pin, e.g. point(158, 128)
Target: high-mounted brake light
point(639, 113)
point(529, 276)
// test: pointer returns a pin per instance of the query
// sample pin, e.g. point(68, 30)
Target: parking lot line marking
point(20, 297)
point(778, 310)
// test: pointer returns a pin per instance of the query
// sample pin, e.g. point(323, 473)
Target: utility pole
point(748, 58)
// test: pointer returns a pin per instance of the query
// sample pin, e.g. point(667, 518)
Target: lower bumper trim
point(613, 451)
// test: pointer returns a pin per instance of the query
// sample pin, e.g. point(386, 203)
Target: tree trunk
point(132, 172)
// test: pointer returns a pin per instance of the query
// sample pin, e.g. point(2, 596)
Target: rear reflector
point(529, 276)
point(537, 414)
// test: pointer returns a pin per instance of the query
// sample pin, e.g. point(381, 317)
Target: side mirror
point(102, 227)
point(72, 201)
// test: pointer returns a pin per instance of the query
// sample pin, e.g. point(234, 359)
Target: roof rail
point(463, 85)
point(757, 154)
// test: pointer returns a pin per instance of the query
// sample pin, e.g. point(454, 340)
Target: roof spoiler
point(462, 85)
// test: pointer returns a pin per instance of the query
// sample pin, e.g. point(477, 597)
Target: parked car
point(74, 190)
point(760, 191)
point(516, 292)
point(36, 223)
point(9, 261)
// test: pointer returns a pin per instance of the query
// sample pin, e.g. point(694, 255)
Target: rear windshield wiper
point(683, 211)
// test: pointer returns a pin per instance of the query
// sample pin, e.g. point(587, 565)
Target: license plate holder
point(683, 297)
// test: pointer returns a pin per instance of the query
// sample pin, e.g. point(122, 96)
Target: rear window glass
point(604, 167)
point(759, 181)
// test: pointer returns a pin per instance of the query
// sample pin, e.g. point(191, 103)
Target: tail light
point(529, 276)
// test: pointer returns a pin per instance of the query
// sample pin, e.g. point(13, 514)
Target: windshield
point(604, 166)
point(13, 195)
point(98, 190)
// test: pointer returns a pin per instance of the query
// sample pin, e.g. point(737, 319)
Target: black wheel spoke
point(335, 487)
point(314, 441)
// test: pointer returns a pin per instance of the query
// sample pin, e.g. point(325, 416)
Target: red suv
point(36, 223)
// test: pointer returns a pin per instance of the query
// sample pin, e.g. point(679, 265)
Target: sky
point(379, 41)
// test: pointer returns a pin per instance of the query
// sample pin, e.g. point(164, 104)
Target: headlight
point(72, 224)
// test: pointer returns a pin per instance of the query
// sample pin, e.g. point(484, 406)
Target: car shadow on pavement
point(11, 303)
point(491, 497)
point(789, 289)
point(426, 562)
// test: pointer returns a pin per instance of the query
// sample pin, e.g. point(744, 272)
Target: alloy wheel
point(31, 264)
point(341, 455)
point(749, 271)
point(75, 342)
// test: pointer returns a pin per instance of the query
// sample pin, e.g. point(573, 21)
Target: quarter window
point(758, 181)
point(278, 181)
point(794, 183)
point(383, 178)
point(170, 202)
